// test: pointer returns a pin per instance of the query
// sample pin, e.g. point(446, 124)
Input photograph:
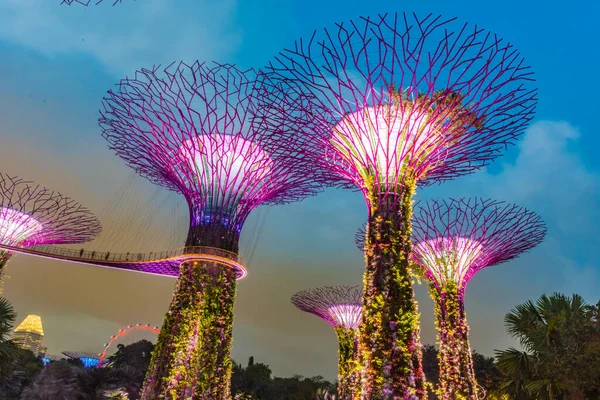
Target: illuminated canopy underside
point(346, 315)
point(224, 168)
point(338, 305)
point(384, 141)
point(18, 228)
point(448, 258)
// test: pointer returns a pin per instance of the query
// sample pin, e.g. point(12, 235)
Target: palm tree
point(548, 331)
point(8, 351)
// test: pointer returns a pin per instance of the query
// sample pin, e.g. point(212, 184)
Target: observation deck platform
point(165, 263)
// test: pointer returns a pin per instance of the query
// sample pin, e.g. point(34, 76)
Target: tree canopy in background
point(255, 382)
point(559, 360)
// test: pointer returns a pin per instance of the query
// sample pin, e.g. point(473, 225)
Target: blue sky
point(56, 62)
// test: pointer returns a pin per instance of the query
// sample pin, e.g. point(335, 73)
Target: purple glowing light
point(226, 163)
point(448, 258)
point(32, 215)
point(338, 305)
point(346, 315)
point(16, 227)
point(383, 138)
point(456, 238)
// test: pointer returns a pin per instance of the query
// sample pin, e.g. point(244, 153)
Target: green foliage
point(453, 113)
point(255, 382)
point(560, 337)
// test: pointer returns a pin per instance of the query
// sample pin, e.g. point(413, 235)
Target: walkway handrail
point(115, 259)
point(130, 257)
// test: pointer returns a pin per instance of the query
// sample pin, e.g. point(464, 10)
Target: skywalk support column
point(192, 355)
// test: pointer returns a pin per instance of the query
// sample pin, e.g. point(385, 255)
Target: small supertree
point(453, 240)
point(341, 306)
point(192, 129)
point(32, 215)
point(390, 103)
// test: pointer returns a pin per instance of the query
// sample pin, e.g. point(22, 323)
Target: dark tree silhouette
point(58, 380)
point(560, 337)
point(136, 355)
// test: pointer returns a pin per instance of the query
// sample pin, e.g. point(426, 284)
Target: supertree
point(390, 103)
point(194, 129)
point(341, 307)
point(32, 215)
point(453, 239)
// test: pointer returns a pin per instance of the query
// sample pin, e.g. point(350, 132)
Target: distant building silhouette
point(29, 334)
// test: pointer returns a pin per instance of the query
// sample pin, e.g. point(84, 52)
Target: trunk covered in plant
point(457, 377)
point(191, 359)
point(390, 351)
point(348, 366)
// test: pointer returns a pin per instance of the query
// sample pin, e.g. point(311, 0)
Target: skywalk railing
point(86, 255)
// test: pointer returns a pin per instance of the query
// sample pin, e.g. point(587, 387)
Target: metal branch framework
point(196, 129)
point(389, 103)
point(32, 215)
point(338, 305)
point(400, 96)
point(456, 238)
point(341, 307)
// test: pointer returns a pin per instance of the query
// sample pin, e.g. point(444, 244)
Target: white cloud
point(126, 37)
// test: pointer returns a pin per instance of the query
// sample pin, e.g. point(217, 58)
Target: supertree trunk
point(389, 345)
point(457, 377)
point(191, 359)
point(4, 257)
point(348, 366)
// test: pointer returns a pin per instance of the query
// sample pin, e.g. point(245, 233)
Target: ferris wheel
point(122, 332)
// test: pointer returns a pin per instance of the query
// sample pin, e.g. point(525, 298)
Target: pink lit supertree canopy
point(341, 306)
point(390, 103)
point(453, 240)
point(32, 215)
point(193, 129)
